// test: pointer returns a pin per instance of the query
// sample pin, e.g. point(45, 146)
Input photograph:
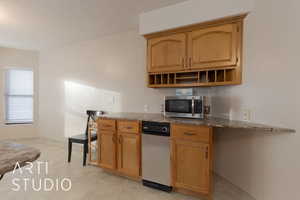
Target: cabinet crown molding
point(191, 27)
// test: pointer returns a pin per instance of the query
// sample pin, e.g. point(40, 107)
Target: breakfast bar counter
point(208, 121)
point(182, 148)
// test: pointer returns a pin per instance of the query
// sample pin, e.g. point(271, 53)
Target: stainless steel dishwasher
point(156, 166)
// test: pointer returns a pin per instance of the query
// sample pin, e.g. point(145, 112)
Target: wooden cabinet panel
point(107, 124)
point(129, 153)
point(120, 151)
point(213, 47)
point(128, 126)
point(191, 133)
point(108, 149)
point(191, 166)
point(167, 53)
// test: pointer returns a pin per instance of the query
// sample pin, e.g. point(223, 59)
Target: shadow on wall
point(79, 98)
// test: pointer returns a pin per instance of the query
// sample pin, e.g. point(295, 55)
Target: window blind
point(19, 96)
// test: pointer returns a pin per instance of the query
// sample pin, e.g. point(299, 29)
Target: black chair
point(83, 138)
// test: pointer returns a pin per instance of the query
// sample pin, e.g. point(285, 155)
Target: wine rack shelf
point(215, 77)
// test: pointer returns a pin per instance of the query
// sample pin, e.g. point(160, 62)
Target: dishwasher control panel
point(156, 128)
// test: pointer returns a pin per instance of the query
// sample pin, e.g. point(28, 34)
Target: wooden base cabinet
point(108, 149)
point(191, 166)
point(120, 147)
point(191, 154)
point(129, 154)
point(192, 159)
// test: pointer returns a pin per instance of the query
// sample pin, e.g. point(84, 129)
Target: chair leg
point(70, 151)
point(85, 150)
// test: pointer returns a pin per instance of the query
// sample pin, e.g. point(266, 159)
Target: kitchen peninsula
point(191, 147)
point(208, 121)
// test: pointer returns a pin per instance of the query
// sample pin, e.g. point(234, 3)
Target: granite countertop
point(11, 153)
point(209, 121)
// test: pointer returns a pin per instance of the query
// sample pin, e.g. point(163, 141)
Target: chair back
point(92, 114)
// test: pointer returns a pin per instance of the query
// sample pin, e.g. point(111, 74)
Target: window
point(19, 96)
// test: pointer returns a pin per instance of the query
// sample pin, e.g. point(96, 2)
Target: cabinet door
point(213, 47)
point(129, 153)
point(167, 53)
point(107, 149)
point(191, 166)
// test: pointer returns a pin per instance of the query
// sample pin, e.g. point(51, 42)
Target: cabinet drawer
point(128, 126)
point(107, 124)
point(191, 132)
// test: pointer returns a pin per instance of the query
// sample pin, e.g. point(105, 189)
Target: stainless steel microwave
point(184, 106)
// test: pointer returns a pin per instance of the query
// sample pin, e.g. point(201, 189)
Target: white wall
point(190, 12)
point(15, 58)
point(104, 74)
point(265, 165)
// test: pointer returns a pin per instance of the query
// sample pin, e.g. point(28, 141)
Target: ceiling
point(41, 24)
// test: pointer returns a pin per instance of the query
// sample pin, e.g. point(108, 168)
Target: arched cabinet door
point(167, 54)
point(213, 47)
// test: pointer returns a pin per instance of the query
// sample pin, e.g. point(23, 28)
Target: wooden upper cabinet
point(198, 55)
point(191, 166)
point(108, 149)
point(213, 47)
point(129, 154)
point(166, 54)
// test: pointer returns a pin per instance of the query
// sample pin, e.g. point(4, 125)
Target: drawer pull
point(129, 127)
point(189, 134)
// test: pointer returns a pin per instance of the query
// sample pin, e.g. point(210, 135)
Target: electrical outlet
point(146, 108)
point(247, 115)
point(162, 108)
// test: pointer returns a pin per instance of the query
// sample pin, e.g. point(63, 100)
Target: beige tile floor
point(91, 183)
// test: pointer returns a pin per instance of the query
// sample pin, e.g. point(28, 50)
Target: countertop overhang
point(13, 153)
point(208, 121)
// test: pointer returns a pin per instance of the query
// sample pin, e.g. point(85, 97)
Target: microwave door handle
point(193, 106)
